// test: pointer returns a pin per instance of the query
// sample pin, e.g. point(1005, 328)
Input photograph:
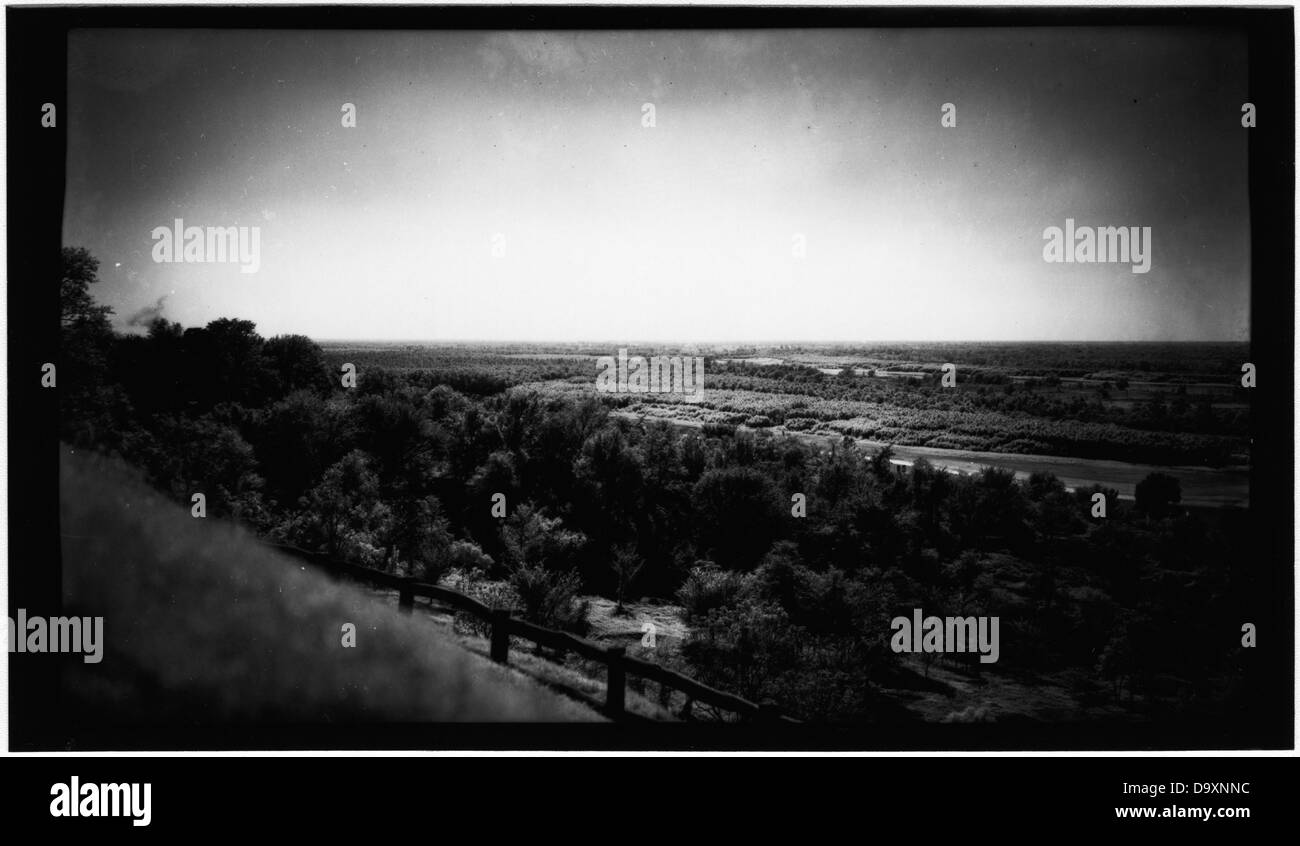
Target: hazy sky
point(684, 231)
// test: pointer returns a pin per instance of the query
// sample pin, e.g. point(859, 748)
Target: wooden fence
point(505, 625)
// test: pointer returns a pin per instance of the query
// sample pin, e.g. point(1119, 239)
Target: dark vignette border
point(37, 73)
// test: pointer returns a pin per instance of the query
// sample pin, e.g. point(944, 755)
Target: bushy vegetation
point(402, 472)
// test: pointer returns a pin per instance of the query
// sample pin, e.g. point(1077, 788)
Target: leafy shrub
point(753, 648)
point(551, 599)
point(708, 588)
point(475, 584)
point(467, 557)
point(741, 647)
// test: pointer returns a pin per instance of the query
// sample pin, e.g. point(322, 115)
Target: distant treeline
point(1208, 361)
point(989, 410)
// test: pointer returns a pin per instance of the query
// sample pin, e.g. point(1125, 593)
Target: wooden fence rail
point(505, 625)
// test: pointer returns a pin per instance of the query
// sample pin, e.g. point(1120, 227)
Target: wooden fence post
point(501, 635)
point(615, 682)
point(405, 598)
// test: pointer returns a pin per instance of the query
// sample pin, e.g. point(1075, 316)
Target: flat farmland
point(1104, 414)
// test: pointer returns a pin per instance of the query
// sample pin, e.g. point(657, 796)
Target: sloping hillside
point(203, 624)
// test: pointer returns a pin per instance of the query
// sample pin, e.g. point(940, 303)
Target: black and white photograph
point(848, 382)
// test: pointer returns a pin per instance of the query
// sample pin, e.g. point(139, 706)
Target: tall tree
point(85, 341)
